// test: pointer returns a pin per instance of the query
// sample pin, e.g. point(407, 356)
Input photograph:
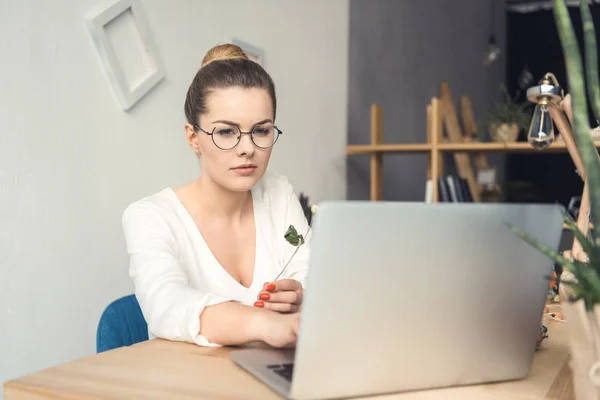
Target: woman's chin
point(243, 182)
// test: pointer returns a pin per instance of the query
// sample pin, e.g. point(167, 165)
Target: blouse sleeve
point(170, 306)
point(298, 266)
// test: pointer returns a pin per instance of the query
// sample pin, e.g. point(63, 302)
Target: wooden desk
point(158, 369)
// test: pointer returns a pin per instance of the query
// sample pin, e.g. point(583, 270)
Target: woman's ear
point(192, 138)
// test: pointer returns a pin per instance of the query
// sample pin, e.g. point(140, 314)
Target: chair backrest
point(121, 324)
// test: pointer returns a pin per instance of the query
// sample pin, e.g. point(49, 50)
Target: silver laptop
point(407, 296)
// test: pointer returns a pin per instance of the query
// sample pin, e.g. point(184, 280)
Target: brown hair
point(223, 66)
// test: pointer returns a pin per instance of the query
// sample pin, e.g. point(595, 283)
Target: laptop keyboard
point(284, 370)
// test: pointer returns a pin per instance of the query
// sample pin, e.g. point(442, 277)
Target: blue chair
point(121, 324)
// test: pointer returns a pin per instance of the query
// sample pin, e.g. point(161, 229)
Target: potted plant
point(580, 281)
point(507, 119)
point(307, 208)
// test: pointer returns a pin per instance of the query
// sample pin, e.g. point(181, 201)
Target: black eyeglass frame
point(211, 134)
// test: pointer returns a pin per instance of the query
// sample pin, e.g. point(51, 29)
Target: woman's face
point(229, 111)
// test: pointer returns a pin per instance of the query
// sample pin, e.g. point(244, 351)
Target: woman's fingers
point(281, 297)
point(274, 291)
point(282, 285)
point(279, 307)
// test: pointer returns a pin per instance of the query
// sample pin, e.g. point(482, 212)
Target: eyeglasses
point(226, 137)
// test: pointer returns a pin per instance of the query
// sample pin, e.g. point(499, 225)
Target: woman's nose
point(245, 146)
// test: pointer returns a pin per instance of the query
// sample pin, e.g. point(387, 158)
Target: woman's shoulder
point(155, 205)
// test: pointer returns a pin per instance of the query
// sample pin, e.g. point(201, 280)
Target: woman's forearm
point(231, 323)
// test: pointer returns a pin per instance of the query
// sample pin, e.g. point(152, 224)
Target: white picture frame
point(125, 95)
point(253, 52)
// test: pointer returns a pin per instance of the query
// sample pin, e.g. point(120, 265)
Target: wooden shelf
point(457, 142)
point(514, 147)
point(366, 149)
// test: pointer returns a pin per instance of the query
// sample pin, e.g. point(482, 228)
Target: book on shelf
point(451, 189)
point(428, 191)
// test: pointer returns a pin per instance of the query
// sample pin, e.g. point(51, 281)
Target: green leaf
point(586, 245)
point(291, 235)
point(587, 284)
point(556, 256)
point(573, 284)
point(593, 280)
point(578, 268)
point(576, 287)
point(591, 57)
point(581, 128)
point(293, 238)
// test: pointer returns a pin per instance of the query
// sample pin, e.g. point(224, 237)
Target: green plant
point(306, 207)
point(586, 283)
point(295, 239)
point(509, 112)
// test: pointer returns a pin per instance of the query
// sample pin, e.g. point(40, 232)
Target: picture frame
point(253, 52)
point(150, 70)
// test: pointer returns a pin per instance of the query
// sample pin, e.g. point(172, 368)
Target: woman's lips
point(244, 169)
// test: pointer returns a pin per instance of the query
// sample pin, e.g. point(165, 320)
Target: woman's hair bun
point(225, 66)
point(225, 51)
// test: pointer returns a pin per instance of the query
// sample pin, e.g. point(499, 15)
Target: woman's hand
point(279, 330)
point(284, 295)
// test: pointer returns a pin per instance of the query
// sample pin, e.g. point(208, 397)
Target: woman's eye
point(226, 132)
point(261, 131)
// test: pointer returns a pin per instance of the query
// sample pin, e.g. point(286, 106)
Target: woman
point(203, 257)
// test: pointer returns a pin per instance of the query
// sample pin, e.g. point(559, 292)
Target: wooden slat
point(429, 123)
point(376, 158)
point(365, 149)
point(490, 147)
point(566, 105)
point(430, 159)
point(463, 162)
point(468, 120)
point(501, 147)
point(560, 120)
point(583, 221)
point(439, 128)
point(436, 157)
point(568, 138)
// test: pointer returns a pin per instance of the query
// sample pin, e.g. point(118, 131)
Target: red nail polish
point(259, 304)
point(264, 296)
point(270, 287)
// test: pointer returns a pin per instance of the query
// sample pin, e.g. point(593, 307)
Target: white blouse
point(175, 273)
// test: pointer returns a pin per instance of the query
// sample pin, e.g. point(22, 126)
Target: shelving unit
point(441, 113)
point(488, 147)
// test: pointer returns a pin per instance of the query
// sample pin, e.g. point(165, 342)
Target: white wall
point(71, 161)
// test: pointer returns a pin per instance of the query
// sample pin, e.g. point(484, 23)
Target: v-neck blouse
point(175, 274)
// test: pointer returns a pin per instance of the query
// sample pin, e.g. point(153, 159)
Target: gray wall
point(400, 52)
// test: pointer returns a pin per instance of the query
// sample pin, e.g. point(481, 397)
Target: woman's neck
point(219, 202)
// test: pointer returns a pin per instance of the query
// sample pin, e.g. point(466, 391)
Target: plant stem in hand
point(295, 251)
